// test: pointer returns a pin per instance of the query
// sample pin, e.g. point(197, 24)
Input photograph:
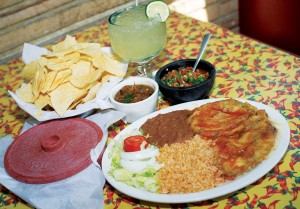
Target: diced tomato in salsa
point(184, 77)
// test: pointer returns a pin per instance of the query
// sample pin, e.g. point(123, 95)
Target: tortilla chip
point(49, 81)
point(60, 78)
point(25, 93)
point(106, 63)
point(78, 100)
point(71, 58)
point(81, 68)
point(42, 101)
point(83, 81)
point(63, 96)
point(64, 45)
point(29, 70)
point(37, 82)
point(92, 92)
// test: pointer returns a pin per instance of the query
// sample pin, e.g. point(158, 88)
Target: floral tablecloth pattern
point(246, 69)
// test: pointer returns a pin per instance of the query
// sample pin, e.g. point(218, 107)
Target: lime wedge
point(157, 9)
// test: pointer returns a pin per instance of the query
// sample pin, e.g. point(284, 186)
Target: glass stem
point(144, 69)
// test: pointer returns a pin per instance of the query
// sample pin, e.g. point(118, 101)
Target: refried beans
point(168, 128)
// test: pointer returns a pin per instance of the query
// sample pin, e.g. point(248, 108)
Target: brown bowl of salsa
point(178, 83)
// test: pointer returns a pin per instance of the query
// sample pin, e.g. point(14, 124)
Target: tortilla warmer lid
point(52, 151)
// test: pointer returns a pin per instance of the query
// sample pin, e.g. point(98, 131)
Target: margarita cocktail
point(135, 37)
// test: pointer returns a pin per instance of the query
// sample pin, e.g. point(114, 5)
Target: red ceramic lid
point(52, 151)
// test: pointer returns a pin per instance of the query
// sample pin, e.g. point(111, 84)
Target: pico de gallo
point(184, 77)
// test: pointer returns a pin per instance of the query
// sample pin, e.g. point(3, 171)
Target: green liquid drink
point(134, 37)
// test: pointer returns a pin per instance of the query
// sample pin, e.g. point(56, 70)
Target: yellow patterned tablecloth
point(246, 69)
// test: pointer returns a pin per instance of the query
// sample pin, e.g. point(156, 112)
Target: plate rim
point(280, 148)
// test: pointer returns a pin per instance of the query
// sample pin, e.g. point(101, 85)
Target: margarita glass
point(136, 38)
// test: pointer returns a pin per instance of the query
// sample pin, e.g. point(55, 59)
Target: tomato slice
point(133, 143)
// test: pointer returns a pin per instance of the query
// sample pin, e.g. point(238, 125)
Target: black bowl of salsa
point(179, 84)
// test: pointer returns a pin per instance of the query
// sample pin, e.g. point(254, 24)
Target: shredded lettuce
point(145, 179)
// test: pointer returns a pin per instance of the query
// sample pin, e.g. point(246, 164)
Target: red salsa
point(184, 77)
point(133, 93)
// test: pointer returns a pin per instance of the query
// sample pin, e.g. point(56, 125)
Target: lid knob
point(51, 143)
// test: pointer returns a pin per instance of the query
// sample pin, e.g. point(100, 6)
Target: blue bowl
point(176, 95)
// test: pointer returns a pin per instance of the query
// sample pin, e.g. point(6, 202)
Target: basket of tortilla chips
point(72, 79)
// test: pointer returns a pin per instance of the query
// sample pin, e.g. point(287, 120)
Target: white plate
point(281, 146)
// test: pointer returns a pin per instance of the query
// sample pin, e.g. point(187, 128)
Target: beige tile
point(228, 21)
point(228, 7)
